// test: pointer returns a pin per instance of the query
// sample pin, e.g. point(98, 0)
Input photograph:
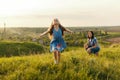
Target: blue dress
point(57, 42)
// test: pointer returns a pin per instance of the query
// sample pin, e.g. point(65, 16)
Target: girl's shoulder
point(95, 39)
point(62, 28)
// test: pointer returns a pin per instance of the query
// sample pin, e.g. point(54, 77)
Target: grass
point(75, 64)
point(20, 48)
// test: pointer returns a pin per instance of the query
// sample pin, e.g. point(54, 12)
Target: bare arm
point(69, 31)
point(94, 46)
point(86, 44)
point(44, 33)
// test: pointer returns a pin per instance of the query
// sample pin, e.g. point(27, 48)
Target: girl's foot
point(55, 61)
point(96, 54)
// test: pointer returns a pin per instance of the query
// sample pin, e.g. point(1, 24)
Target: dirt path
point(114, 40)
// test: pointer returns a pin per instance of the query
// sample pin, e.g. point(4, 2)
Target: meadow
point(75, 65)
point(24, 57)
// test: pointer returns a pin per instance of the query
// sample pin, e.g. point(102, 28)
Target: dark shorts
point(95, 50)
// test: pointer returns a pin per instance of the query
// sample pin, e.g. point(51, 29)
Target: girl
point(57, 44)
point(92, 45)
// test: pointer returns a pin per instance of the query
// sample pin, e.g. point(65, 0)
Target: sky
point(40, 13)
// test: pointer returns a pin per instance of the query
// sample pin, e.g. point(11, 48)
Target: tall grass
point(75, 64)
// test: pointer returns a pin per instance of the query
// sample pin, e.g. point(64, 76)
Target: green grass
point(20, 48)
point(75, 64)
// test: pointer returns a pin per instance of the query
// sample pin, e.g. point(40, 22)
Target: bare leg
point(89, 51)
point(58, 56)
point(85, 46)
point(96, 54)
point(55, 56)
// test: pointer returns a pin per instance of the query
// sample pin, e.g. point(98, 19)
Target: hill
point(75, 64)
point(8, 48)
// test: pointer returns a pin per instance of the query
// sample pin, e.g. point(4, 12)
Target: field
point(28, 58)
point(75, 65)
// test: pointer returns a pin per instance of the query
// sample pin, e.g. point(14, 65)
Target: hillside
point(75, 64)
point(8, 48)
point(25, 56)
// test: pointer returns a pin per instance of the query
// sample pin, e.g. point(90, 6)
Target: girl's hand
point(72, 32)
point(69, 31)
point(90, 48)
point(40, 35)
point(43, 33)
point(86, 46)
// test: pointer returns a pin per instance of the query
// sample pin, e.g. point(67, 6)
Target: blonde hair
point(50, 29)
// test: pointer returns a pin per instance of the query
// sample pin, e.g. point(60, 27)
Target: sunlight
point(19, 7)
point(70, 12)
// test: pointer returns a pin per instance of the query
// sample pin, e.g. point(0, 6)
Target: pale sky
point(40, 13)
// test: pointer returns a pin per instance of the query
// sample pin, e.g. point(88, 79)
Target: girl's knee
point(97, 54)
point(55, 51)
point(88, 50)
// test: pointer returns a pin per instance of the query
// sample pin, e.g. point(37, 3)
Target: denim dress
point(57, 42)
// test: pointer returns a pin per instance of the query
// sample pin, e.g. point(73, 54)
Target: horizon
point(65, 26)
point(40, 13)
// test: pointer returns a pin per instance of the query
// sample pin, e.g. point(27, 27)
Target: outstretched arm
point(69, 31)
point(44, 33)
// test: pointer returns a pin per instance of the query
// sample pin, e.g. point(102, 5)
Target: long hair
point(92, 35)
point(50, 29)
